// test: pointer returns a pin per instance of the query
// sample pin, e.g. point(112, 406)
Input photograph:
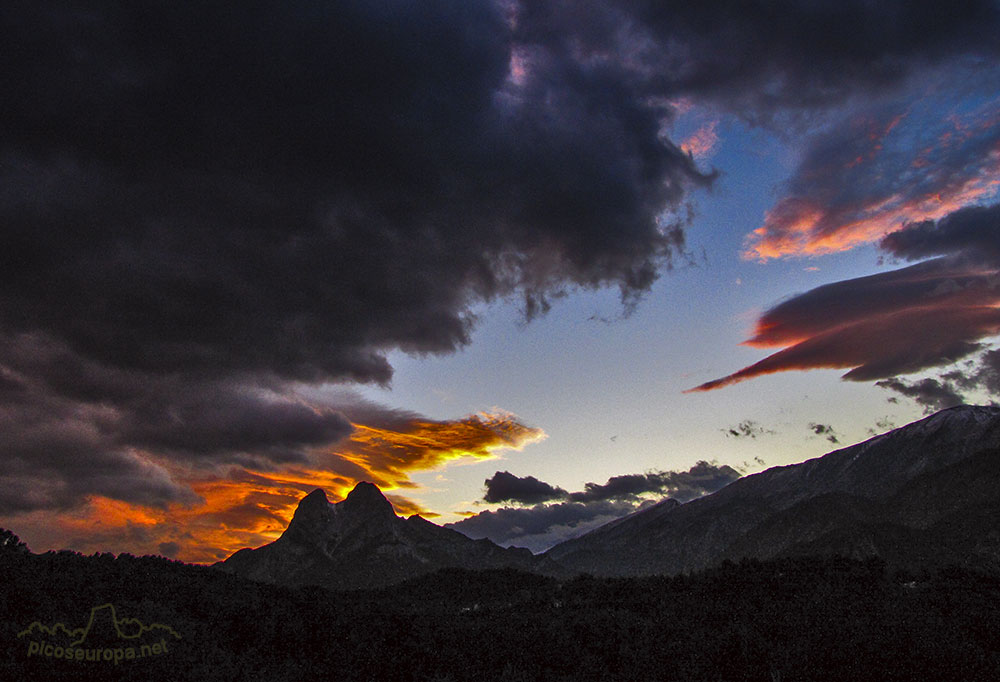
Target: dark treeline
point(805, 618)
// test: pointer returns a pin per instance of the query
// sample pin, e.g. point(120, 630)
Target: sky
point(527, 266)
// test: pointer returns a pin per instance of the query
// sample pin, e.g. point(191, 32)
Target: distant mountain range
point(925, 494)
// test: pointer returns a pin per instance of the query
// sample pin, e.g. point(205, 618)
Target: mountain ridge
point(831, 494)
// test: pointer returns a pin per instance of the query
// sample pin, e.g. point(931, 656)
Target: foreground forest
point(806, 618)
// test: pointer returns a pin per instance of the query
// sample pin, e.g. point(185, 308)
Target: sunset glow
point(249, 508)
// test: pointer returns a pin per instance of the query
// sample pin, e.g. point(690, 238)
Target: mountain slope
point(921, 493)
point(361, 542)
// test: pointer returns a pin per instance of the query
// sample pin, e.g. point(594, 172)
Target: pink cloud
point(866, 179)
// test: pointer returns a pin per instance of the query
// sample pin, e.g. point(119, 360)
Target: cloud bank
point(555, 515)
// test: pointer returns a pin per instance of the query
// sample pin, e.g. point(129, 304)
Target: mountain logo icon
point(106, 637)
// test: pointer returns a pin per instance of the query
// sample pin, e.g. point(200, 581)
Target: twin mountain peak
point(366, 499)
point(316, 518)
point(361, 542)
point(926, 493)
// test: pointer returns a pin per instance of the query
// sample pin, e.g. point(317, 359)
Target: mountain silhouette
point(360, 542)
point(924, 494)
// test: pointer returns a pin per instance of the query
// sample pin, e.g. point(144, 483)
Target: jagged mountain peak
point(316, 519)
point(317, 499)
point(312, 515)
point(366, 498)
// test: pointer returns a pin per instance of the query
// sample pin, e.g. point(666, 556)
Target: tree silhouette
point(10, 542)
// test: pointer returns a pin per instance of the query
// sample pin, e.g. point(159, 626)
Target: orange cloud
point(248, 508)
point(388, 454)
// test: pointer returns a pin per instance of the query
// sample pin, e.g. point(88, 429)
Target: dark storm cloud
point(60, 470)
point(57, 450)
point(295, 188)
point(504, 486)
point(60, 448)
point(205, 208)
point(759, 55)
point(164, 414)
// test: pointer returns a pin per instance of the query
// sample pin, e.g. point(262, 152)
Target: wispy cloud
point(746, 429)
point(826, 431)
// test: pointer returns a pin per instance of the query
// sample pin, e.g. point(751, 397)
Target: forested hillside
point(792, 619)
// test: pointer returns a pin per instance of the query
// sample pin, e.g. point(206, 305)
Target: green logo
point(105, 638)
